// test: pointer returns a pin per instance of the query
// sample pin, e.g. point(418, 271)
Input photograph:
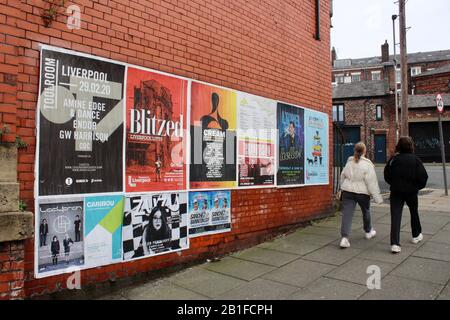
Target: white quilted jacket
point(361, 178)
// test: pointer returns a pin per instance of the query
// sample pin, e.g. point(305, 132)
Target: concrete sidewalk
point(308, 264)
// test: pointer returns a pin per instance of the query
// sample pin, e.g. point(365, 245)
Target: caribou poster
point(80, 132)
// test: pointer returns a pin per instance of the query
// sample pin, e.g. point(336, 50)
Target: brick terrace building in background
point(364, 101)
point(268, 48)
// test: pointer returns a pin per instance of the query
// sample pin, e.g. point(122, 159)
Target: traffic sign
point(440, 103)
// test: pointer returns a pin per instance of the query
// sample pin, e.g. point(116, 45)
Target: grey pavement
point(309, 264)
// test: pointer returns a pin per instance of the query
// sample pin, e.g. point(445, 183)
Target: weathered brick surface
point(258, 46)
point(12, 270)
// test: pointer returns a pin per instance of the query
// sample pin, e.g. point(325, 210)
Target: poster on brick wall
point(103, 230)
point(316, 147)
point(80, 131)
point(154, 224)
point(209, 212)
point(59, 242)
point(155, 140)
point(213, 137)
point(291, 144)
point(256, 140)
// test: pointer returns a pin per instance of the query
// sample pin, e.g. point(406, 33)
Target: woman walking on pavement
point(358, 182)
point(406, 175)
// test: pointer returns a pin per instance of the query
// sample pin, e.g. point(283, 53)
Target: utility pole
point(404, 69)
point(394, 17)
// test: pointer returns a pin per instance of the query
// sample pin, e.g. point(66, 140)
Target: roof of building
point(426, 101)
point(361, 89)
point(413, 58)
point(441, 70)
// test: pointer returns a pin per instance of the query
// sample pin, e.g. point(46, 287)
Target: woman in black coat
point(55, 250)
point(406, 175)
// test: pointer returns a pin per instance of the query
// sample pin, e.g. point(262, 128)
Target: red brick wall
point(438, 83)
point(12, 270)
point(258, 46)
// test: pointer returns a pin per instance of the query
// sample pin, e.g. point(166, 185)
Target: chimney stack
point(333, 56)
point(385, 52)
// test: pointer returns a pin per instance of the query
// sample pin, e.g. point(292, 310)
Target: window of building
point(379, 112)
point(339, 78)
point(338, 113)
point(376, 75)
point(356, 77)
point(416, 71)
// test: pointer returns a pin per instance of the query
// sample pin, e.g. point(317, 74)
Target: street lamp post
point(394, 17)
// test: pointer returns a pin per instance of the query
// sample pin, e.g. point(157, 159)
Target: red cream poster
point(156, 122)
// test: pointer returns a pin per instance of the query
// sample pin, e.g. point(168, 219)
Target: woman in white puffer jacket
point(358, 182)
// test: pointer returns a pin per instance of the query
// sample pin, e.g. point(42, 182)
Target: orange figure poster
point(156, 124)
point(213, 137)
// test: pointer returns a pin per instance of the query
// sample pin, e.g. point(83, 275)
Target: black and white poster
point(59, 236)
point(80, 124)
point(154, 224)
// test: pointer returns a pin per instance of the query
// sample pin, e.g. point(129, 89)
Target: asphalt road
point(435, 177)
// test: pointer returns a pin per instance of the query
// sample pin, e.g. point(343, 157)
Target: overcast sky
point(361, 26)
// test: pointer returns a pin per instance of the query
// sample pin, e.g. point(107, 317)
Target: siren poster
point(155, 140)
point(291, 145)
point(256, 140)
point(80, 124)
point(316, 147)
point(209, 212)
point(154, 224)
point(213, 137)
point(103, 230)
point(59, 242)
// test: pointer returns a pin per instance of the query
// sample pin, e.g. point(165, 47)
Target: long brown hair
point(405, 145)
point(360, 149)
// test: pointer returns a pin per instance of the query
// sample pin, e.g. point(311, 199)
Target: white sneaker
point(396, 249)
point(371, 234)
point(345, 243)
point(418, 239)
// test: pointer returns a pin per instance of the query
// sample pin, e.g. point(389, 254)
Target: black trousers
point(77, 235)
point(398, 200)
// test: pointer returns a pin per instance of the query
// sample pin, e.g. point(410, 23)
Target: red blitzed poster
point(156, 136)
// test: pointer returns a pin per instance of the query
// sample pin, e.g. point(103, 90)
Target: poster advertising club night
point(290, 145)
point(80, 124)
point(155, 143)
point(213, 137)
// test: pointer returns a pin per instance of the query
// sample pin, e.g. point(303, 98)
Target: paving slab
point(299, 273)
point(112, 297)
point(447, 227)
point(205, 282)
point(290, 246)
point(434, 250)
point(405, 240)
point(330, 289)
point(332, 254)
point(445, 293)
point(355, 270)
point(424, 269)
point(442, 236)
point(382, 252)
point(237, 268)
point(358, 241)
point(300, 237)
point(397, 288)
point(427, 228)
point(161, 290)
point(259, 289)
point(387, 219)
point(265, 256)
point(434, 218)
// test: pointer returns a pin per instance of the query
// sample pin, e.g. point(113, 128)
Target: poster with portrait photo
point(316, 147)
point(291, 145)
point(209, 212)
point(154, 224)
point(80, 124)
point(213, 137)
point(59, 241)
